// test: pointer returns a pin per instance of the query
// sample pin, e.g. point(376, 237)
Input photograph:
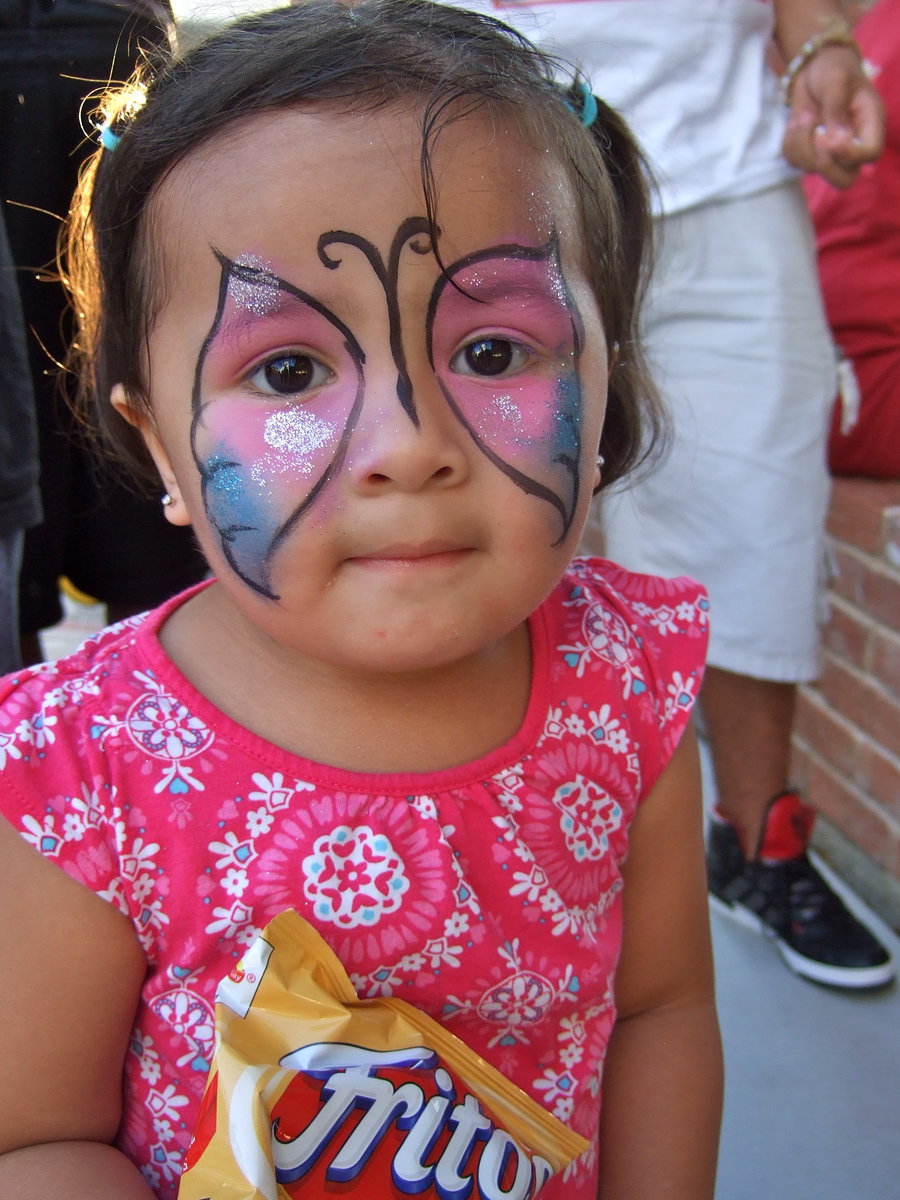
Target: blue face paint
point(243, 520)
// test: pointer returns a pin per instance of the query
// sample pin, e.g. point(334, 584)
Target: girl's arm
point(72, 1171)
point(662, 1082)
point(72, 973)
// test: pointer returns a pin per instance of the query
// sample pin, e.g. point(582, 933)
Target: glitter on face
point(293, 434)
point(254, 285)
point(559, 290)
point(298, 431)
point(502, 409)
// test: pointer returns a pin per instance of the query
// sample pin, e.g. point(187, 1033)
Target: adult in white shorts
point(738, 343)
point(735, 329)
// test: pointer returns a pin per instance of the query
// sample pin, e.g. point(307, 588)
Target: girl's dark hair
point(376, 53)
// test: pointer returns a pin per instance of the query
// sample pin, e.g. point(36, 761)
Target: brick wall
point(847, 733)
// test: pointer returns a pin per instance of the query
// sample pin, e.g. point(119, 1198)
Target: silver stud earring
point(598, 472)
point(167, 500)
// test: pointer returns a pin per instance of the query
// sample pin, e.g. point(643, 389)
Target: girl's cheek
point(264, 460)
point(261, 466)
point(279, 452)
point(528, 423)
point(533, 427)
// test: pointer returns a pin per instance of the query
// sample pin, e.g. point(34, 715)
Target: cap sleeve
point(648, 636)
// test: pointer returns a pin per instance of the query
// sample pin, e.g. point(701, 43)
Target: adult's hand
point(837, 118)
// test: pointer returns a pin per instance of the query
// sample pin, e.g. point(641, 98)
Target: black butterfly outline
point(209, 470)
point(387, 274)
point(549, 253)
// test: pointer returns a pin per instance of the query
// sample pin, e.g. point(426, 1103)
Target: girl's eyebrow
point(253, 296)
point(241, 324)
point(486, 291)
point(506, 269)
point(251, 272)
point(496, 278)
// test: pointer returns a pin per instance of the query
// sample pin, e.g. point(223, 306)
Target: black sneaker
point(780, 893)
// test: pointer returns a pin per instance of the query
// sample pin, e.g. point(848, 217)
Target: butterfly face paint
point(503, 339)
point(516, 386)
point(387, 469)
point(263, 457)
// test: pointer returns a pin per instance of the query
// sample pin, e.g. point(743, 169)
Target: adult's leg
point(748, 725)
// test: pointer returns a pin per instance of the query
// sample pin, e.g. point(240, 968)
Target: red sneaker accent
point(787, 828)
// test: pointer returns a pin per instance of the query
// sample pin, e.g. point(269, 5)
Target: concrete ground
point(812, 1104)
point(812, 1098)
point(812, 1089)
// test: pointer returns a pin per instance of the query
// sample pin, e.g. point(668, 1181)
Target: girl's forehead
point(275, 182)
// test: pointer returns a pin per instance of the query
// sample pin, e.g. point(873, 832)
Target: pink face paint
point(262, 457)
point(265, 458)
point(527, 421)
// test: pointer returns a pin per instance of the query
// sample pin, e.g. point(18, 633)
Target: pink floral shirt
point(486, 894)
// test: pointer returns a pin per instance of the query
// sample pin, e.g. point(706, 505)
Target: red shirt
point(858, 240)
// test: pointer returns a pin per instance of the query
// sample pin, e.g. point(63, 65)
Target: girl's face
point(388, 465)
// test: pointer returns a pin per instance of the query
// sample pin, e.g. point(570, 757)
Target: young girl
point(357, 280)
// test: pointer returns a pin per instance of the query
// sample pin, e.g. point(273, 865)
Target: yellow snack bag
point(314, 1093)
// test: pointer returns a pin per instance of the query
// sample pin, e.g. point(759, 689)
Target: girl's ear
point(174, 508)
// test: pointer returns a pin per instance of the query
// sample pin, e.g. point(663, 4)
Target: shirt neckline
point(296, 766)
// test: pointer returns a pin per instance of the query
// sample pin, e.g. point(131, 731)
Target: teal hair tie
point(108, 139)
point(589, 106)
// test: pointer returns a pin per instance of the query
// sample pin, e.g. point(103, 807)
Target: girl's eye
point(490, 356)
point(289, 375)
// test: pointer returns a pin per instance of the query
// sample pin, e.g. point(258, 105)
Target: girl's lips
point(425, 554)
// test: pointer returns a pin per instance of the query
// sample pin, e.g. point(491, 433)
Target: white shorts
point(737, 337)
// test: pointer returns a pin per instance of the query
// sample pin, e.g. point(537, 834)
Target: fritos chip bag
point(313, 1093)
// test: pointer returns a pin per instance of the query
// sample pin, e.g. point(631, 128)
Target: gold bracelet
point(838, 33)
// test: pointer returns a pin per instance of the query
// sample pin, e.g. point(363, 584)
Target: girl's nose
point(409, 445)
